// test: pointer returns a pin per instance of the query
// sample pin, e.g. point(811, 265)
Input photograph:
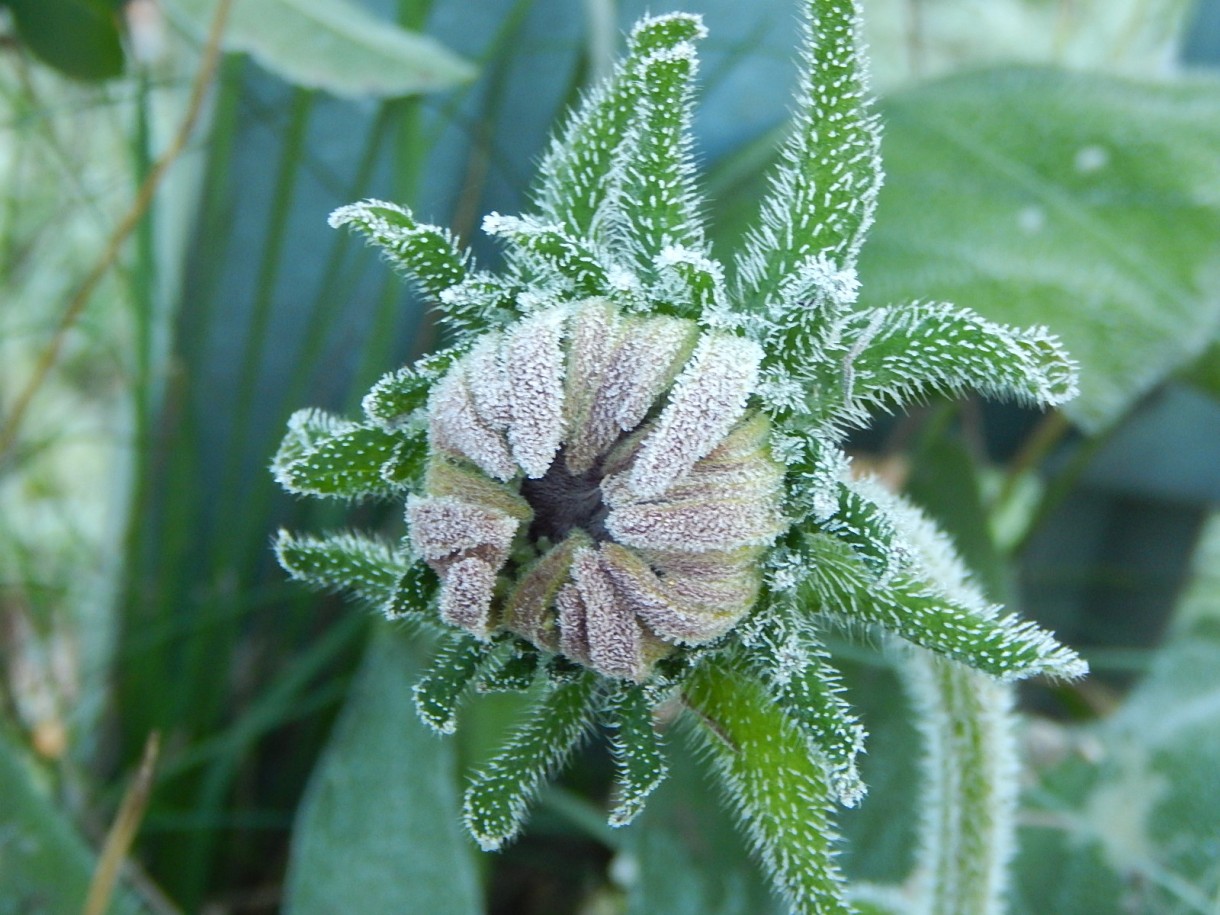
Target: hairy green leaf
point(575, 170)
point(820, 203)
point(920, 611)
point(439, 692)
point(500, 794)
point(639, 761)
point(343, 561)
point(770, 780)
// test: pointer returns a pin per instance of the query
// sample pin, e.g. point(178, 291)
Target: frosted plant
point(624, 481)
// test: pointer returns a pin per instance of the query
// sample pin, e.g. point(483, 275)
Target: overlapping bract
point(614, 344)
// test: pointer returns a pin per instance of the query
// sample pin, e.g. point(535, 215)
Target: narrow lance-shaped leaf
point(573, 173)
point(322, 456)
point(773, 784)
point(344, 561)
point(639, 762)
point(414, 596)
point(426, 253)
point(790, 660)
point(515, 674)
point(431, 258)
point(653, 204)
point(893, 356)
point(839, 583)
point(439, 692)
point(499, 796)
point(548, 246)
point(970, 772)
point(824, 190)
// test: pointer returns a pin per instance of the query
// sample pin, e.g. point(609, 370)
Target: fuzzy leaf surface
point(778, 790)
point(639, 761)
point(344, 561)
point(500, 794)
point(921, 612)
point(379, 830)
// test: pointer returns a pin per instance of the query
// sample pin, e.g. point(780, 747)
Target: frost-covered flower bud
point(599, 485)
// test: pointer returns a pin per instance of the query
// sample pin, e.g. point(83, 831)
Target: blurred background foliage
point(1048, 162)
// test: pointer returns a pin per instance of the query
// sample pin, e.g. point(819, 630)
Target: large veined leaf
point(380, 827)
point(335, 45)
point(1085, 203)
point(1127, 818)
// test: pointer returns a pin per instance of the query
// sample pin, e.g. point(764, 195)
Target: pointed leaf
point(653, 203)
point(499, 796)
point(824, 191)
point(575, 169)
point(789, 658)
point(427, 254)
point(440, 691)
point(638, 759)
point(770, 780)
point(549, 247)
point(378, 828)
point(919, 611)
point(899, 355)
point(368, 568)
point(348, 463)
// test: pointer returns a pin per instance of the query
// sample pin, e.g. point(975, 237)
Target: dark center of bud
point(563, 500)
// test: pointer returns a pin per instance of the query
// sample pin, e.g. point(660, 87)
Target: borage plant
point(625, 483)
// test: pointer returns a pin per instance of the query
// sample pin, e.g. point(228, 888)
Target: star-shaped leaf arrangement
point(624, 481)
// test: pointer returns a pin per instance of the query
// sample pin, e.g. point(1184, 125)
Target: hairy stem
point(969, 792)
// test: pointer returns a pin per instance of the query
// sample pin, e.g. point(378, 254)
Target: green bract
point(624, 480)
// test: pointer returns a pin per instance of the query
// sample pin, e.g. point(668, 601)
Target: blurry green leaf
point(1084, 203)
point(45, 866)
point(380, 828)
point(334, 45)
point(77, 37)
point(1205, 373)
point(1129, 819)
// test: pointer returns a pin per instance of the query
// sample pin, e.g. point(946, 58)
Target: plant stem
point(969, 791)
